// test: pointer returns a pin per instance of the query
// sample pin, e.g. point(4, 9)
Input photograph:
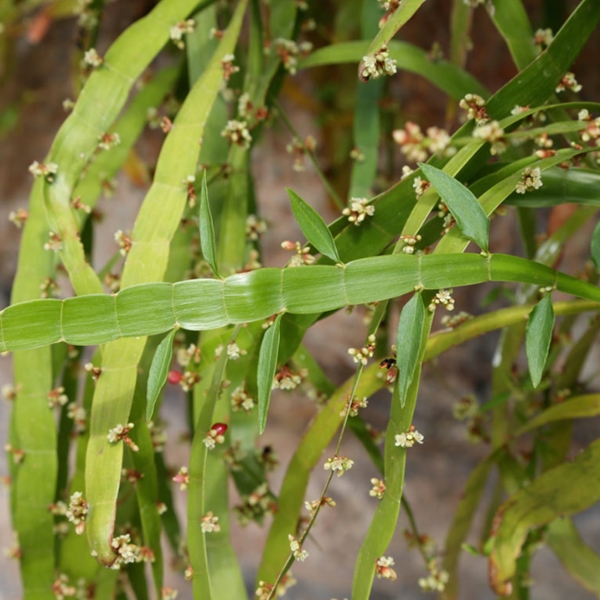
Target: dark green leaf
point(159, 370)
point(313, 227)
point(207, 229)
point(267, 364)
point(408, 344)
point(464, 206)
point(538, 337)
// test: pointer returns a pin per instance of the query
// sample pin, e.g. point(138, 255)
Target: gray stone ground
point(436, 472)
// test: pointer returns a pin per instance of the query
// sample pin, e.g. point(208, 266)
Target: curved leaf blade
point(464, 206)
point(207, 229)
point(159, 369)
point(538, 336)
point(561, 491)
point(313, 226)
point(267, 363)
point(408, 343)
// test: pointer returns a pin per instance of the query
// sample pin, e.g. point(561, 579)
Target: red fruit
point(219, 428)
point(174, 377)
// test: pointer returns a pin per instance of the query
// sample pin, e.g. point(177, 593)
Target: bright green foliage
point(192, 270)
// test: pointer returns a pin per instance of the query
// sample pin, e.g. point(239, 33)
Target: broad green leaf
point(464, 206)
point(538, 337)
point(596, 245)
point(267, 365)
point(582, 563)
point(313, 227)
point(408, 343)
point(159, 370)
point(207, 229)
point(562, 491)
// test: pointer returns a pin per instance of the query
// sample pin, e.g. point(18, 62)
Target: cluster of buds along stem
point(61, 588)
point(409, 438)
point(311, 507)
point(182, 478)
point(358, 210)
point(378, 488)
point(94, 371)
point(108, 140)
point(290, 51)
point(18, 217)
point(452, 321)
point(338, 464)
point(177, 32)
point(298, 149)
point(237, 133)
point(120, 433)
point(416, 146)
point(531, 179)
point(92, 59)
point(17, 454)
point(187, 355)
point(255, 227)
point(126, 552)
point(79, 417)
point(288, 379)
point(410, 241)
point(543, 38)
point(57, 397)
point(256, 505)
point(475, 107)
point(77, 512)
point(568, 82)
point(209, 523)
point(494, 134)
point(124, 242)
point(362, 355)
point(54, 243)
point(48, 288)
point(265, 590)
point(420, 186)
point(383, 568)
point(443, 297)
point(215, 435)
point(228, 67)
point(302, 256)
point(296, 549)
point(241, 400)
point(353, 404)
point(375, 65)
point(436, 580)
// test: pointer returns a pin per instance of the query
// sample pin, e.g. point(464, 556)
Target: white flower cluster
point(375, 65)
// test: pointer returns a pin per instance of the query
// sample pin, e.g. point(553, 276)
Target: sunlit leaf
point(313, 227)
point(464, 206)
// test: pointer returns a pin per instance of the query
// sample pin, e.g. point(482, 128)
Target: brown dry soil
point(438, 470)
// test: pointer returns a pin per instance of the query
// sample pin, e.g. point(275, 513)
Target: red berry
point(174, 377)
point(219, 428)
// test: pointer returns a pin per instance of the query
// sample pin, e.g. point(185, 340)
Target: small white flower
point(92, 58)
point(409, 438)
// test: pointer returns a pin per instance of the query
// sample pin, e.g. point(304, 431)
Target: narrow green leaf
point(394, 22)
point(464, 206)
point(267, 363)
point(159, 370)
point(562, 491)
point(577, 557)
point(207, 229)
point(408, 344)
point(313, 227)
point(538, 337)
point(596, 245)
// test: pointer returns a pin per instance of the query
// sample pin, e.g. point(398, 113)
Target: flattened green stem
point(147, 261)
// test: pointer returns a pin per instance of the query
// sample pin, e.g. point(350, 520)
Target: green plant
point(376, 251)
